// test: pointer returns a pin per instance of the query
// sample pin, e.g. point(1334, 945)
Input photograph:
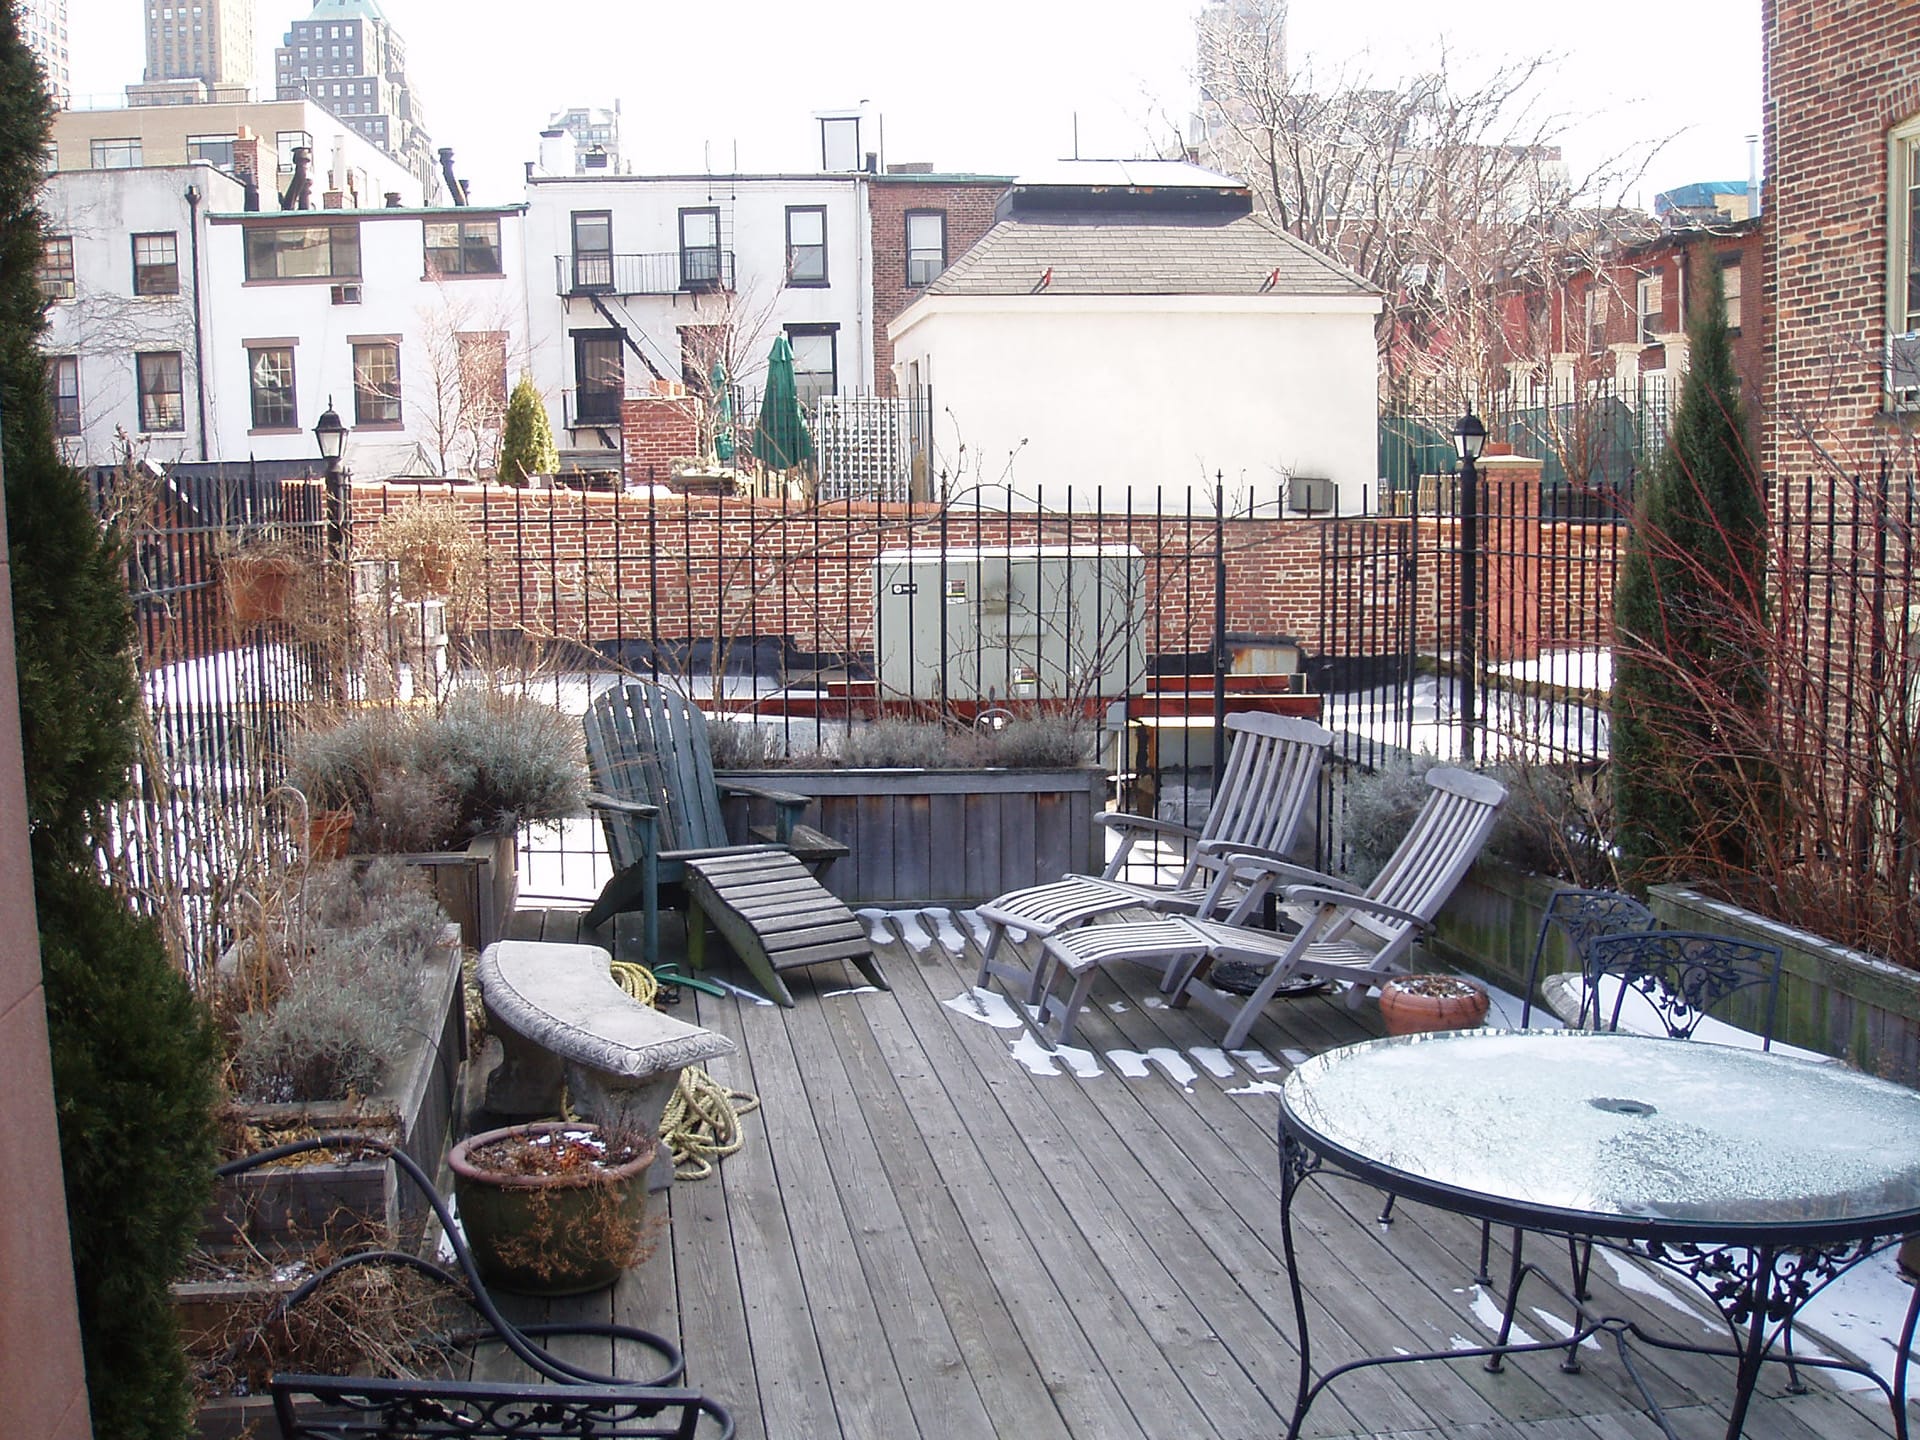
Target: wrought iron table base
point(1757, 1291)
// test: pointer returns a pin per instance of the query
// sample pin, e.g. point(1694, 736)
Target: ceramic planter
point(1413, 1004)
point(327, 834)
point(259, 586)
point(561, 1233)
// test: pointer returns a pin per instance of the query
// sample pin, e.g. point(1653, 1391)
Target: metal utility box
point(1010, 623)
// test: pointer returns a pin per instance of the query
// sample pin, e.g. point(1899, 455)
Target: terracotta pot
point(259, 586)
point(327, 834)
point(1411, 1004)
point(560, 1233)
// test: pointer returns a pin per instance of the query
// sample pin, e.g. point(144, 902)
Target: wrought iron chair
point(1673, 978)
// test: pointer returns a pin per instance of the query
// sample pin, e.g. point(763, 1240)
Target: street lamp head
point(1469, 436)
point(330, 433)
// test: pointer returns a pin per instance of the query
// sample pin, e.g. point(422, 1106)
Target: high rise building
point(347, 57)
point(596, 138)
point(1240, 48)
point(210, 41)
point(43, 23)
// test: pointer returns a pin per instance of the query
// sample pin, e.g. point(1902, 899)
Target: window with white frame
point(156, 264)
point(1903, 261)
point(815, 371)
point(119, 154)
point(926, 246)
point(270, 381)
point(1730, 277)
point(1596, 317)
point(1646, 304)
point(700, 249)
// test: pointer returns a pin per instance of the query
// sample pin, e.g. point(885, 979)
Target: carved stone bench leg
point(620, 1102)
point(527, 1084)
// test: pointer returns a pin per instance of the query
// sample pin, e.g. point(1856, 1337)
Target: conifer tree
point(526, 447)
point(1690, 689)
point(133, 1053)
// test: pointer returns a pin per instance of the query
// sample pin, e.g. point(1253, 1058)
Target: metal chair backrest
point(1266, 787)
point(1446, 838)
point(341, 1407)
point(649, 744)
point(1583, 915)
point(1681, 975)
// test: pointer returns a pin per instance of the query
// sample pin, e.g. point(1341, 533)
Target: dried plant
point(437, 549)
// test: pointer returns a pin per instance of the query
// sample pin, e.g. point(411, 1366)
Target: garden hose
point(702, 1119)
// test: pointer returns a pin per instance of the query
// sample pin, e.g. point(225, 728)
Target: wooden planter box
point(943, 837)
point(477, 887)
point(283, 1207)
point(1489, 927)
point(1832, 999)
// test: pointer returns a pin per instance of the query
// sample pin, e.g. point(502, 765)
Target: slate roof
point(1144, 254)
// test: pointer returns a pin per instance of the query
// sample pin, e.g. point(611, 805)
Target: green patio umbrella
point(723, 426)
point(781, 439)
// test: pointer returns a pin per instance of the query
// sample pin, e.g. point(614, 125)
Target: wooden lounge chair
point(656, 795)
point(1265, 792)
point(1357, 937)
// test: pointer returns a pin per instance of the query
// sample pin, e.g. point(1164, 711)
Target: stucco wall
point(1062, 395)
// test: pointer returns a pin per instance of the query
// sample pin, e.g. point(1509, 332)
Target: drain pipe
point(199, 366)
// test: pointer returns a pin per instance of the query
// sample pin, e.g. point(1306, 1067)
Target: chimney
point(556, 153)
point(332, 200)
point(246, 165)
point(456, 192)
point(393, 199)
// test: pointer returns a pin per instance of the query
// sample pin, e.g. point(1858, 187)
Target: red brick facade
point(1838, 79)
point(968, 205)
point(593, 567)
point(656, 430)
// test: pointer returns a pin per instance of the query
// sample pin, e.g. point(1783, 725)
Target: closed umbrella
point(781, 439)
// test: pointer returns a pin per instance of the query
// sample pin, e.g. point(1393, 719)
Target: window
point(303, 252)
point(482, 357)
point(116, 154)
point(699, 249)
point(806, 245)
point(270, 376)
point(215, 149)
point(463, 247)
point(592, 250)
point(926, 246)
point(376, 382)
point(285, 142)
point(63, 393)
point(1596, 316)
point(814, 371)
point(840, 142)
point(1730, 276)
point(600, 378)
point(1646, 300)
point(56, 268)
point(156, 264)
point(162, 398)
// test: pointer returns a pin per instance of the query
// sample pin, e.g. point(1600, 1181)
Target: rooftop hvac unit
point(1022, 622)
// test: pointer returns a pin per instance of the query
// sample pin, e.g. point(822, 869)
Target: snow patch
point(1213, 1060)
point(852, 990)
point(1258, 1087)
point(1134, 1064)
point(989, 1007)
point(909, 922)
point(944, 930)
point(876, 922)
point(1488, 1311)
point(981, 931)
point(1258, 1062)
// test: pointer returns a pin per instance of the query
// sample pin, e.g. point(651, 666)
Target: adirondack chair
point(659, 802)
point(1358, 937)
point(1265, 792)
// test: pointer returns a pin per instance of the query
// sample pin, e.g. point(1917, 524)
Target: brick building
point(1842, 245)
point(921, 223)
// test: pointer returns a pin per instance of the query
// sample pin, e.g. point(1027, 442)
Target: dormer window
point(839, 142)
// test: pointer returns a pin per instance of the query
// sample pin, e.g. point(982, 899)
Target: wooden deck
point(922, 1238)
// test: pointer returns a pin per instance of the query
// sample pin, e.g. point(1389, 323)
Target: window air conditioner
point(1310, 495)
point(1903, 370)
point(346, 294)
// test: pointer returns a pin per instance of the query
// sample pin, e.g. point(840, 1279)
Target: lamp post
point(330, 434)
point(1469, 439)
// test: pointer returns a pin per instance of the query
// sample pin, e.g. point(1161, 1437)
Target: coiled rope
point(702, 1120)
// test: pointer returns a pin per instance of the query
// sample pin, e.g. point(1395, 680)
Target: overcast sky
point(992, 86)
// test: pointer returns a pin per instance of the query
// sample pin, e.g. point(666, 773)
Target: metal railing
point(600, 272)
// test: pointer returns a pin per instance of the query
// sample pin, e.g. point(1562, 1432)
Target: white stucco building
point(644, 278)
point(125, 274)
point(1132, 325)
point(411, 323)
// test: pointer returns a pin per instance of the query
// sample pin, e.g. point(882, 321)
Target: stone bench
point(563, 1019)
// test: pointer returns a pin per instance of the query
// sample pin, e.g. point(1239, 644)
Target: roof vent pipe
point(393, 199)
point(299, 192)
point(455, 190)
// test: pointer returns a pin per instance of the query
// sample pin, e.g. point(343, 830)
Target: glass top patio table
point(1617, 1135)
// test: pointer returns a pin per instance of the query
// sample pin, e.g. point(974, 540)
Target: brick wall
point(1837, 78)
point(596, 567)
point(655, 430)
point(969, 209)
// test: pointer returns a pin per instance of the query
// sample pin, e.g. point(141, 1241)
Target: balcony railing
point(677, 272)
